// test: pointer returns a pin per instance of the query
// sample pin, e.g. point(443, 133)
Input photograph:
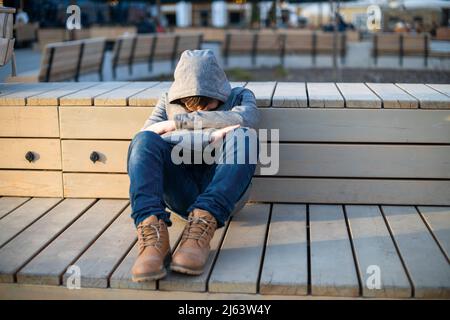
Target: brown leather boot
point(192, 253)
point(154, 250)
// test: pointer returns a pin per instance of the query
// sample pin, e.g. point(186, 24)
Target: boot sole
point(155, 275)
point(184, 270)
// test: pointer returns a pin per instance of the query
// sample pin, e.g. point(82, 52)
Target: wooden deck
point(265, 251)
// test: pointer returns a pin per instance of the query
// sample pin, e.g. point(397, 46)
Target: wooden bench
point(401, 45)
point(282, 43)
point(148, 48)
point(26, 33)
point(364, 183)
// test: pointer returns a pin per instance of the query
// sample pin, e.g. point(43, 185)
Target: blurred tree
point(255, 16)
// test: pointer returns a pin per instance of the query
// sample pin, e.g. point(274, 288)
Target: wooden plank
point(285, 268)
point(426, 264)
point(350, 125)
point(263, 92)
point(324, 95)
point(122, 279)
point(442, 88)
point(102, 123)
point(428, 97)
point(149, 97)
point(351, 191)
point(76, 155)
point(27, 183)
point(333, 271)
point(47, 153)
point(8, 88)
point(438, 221)
point(24, 216)
point(237, 266)
point(52, 98)
point(27, 244)
point(374, 248)
point(358, 95)
point(21, 122)
point(20, 97)
point(120, 97)
point(101, 259)
point(361, 160)
point(290, 95)
point(86, 97)
point(393, 96)
point(8, 204)
point(49, 265)
point(97, 185)
point(180, 282)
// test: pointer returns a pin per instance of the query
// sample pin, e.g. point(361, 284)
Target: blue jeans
point(156, 182)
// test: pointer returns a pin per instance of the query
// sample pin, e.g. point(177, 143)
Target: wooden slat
point(426, 264)
point(28, 243)
point(374, 247)
point(442, 88)
point(101, 259)
point(51, 98)
point(263, 92)
point(23, 216)
point(324, 95)
point(26, 183)
point(237, 266)
point(122, 278)
point(22, 122)
point(285, 268)
point(76, 155)
point(47, 153)
point(393, 96)
point(120, 97)
point(438, 220)
point(102, 123)
point(290, 95)
point(8, 88)
point(20, 97)
point(358, 95)
point(373, 125)
point(149, 97)
point(333, 271)
point(49, 265)
point(86, 97)
point(180, 282)
point(356, 191)
point(97, 185)
point(428, 97)
point(361, 160)
point(8, 204)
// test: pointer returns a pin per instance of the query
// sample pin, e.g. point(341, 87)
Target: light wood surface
point(290, 95)
point(324, 95)
point(393, 96)
point(100, 260)
point(21, 122)
point(427, 266)
point(438, 220)
point(263, 92)
point(428, 97)
point(237, 267)
point(23, 247)
point(49, 265)
point(31, 183)
point(8, 204)
point(285, 267)
point(333, 271)
point(47, 153)
point(358, 95)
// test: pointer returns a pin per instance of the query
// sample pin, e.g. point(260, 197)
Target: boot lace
point(197, 228)
point(149, 236)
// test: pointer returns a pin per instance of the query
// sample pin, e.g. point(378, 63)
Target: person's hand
point(162, 127)
point(220, 134)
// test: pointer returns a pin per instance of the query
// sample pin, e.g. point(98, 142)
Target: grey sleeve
point(159, 113)
point(245, 113)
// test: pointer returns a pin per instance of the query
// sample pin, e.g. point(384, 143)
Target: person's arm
point(245, 114)
point(159, 113)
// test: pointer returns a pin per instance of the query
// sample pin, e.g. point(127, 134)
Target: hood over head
point(199, 74)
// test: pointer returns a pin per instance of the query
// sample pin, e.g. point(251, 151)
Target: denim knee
point(142, 142)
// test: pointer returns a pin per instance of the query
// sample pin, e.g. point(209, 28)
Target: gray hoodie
point(199, 73)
